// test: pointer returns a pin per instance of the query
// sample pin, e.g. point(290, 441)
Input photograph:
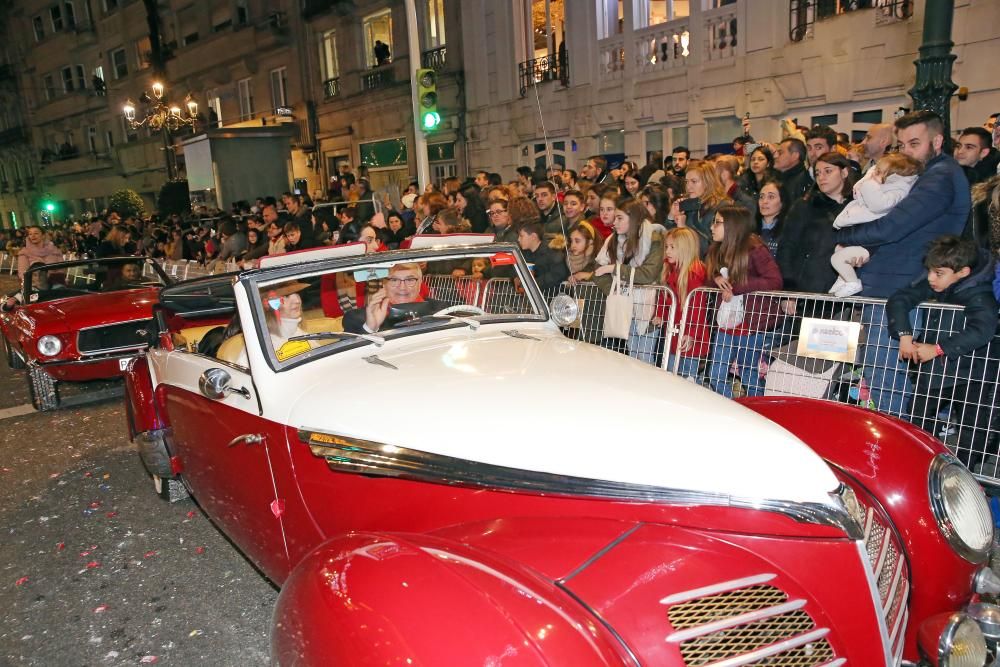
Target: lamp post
point(933, 88)
point(160, 114)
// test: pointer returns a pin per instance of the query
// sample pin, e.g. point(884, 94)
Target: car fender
point(387, 598)
point(891, 460)
point(142, 413)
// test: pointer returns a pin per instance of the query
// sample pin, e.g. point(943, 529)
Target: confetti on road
point(60, 546)
point(94, 505)
point(194, 633)
point(100, 609)
point(149, 659)
point(149, 554)
point(191, 514)
point(93, 564)
point(199, 550)
point(22, 581)
point(111, 515)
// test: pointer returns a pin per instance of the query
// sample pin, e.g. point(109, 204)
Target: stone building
point(553, 81)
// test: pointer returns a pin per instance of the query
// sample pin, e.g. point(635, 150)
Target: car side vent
point(755, 624)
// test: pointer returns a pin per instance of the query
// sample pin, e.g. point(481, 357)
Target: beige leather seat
point(232, 351)
point(191, 336)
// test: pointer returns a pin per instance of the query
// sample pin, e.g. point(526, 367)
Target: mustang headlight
point(960, 508)
point(49, 346)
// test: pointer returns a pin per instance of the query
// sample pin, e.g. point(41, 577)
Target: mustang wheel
point(44, 395)
point(169, 489)
point(14, 362)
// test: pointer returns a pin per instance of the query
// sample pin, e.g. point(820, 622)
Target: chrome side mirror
point(214, 384)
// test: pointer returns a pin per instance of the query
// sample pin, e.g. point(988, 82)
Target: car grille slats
point(751, 624)
point(889, 568)
point(113, 337)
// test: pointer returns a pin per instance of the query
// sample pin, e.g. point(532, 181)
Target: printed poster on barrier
point(828, 339)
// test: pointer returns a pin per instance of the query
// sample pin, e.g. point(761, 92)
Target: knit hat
point(408, 200)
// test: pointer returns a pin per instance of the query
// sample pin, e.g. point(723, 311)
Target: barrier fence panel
point(817, 346)
point(501, 295)
point(453, 291)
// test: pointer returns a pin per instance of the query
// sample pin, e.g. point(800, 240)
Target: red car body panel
point(857, 440)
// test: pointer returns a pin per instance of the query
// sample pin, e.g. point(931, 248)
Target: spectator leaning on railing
point(938, 204)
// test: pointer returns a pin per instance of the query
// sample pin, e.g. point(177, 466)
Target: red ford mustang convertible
point(442, 478)
point(79, 320)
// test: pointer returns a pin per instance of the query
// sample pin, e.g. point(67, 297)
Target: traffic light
point(50, 207)
point(427, 100)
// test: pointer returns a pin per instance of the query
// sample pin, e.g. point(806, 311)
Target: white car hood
point(551, 405)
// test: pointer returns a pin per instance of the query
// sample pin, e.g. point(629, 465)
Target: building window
point(678, 137)
point(214, 108)
point(55, 14)
point(119, 63)
point(67, 79)
point(546, 29)
point(190, 38)
point(127, 132)
point(144, 53)
point(610, 18)
point(242, 13)
point(92, 139)
point(110, 5)
point(435, 24)
point(81, 77)
point(328, 55)
point(38, 25)
point(824, 119)
point(377, 30)
point(109, 139)
point(69, 12)
point(50, 87)
point(279, 88)
point(651, 12)
point(245, 92)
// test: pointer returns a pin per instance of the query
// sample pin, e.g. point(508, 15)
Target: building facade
point(554, 81)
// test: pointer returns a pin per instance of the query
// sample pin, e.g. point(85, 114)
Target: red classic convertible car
point(79, 320)
point(442, 478)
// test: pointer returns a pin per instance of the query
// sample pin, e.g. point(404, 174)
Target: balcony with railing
point(331, 88)
point(720, 33)
point(13, 135)
point(547, 68)
point(803, 14)
point(434, 59)
point(378, 78)
point(611, 58)
point(662, 47)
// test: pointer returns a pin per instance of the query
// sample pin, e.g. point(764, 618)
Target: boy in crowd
point(955, 363)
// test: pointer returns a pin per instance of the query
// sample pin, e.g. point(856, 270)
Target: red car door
point(226, 454)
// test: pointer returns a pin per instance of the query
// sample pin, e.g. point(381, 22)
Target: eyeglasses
point(496, 212)
point(716, 223)
point(396, 282)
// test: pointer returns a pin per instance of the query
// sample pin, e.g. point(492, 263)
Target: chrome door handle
point(249, 438)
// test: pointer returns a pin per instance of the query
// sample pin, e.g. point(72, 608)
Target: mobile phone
point(690, 204)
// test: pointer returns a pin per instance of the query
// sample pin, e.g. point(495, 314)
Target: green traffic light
point(50, 207)
point(431, 120)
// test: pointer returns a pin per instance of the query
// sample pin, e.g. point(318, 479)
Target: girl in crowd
point(760, 170)
point(633, 182)
point(427, 208)
point(684, 272)
point(175, 246)
point(704, 196)
point(115, 243)
point(596, 193)
point(770, 215)
point(275, 239)
point(749, 267)
point(470, 205)
point(808, 240)
point(397, 229)
point(582, 252)
point(635, 251)
point(656, 199)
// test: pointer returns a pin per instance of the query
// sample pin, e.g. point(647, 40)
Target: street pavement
point(95, 569)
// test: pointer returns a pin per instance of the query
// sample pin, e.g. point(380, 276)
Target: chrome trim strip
point(938, 465)
point(869, 522)
point(876, 607)
point(891, 594)
point(773, 649)
point(600, 619)
point(904, 611)
point(834, 663)
point(720, 587)
point(354, 455)
point(112, 350)
point(883, 552)
point(600, 553)
point(723, 624)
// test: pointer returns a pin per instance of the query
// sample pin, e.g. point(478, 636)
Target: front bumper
point(102, 367)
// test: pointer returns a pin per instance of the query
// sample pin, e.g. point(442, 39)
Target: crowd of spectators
point(809, 212)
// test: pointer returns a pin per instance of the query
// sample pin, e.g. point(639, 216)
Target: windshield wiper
point(378, 341)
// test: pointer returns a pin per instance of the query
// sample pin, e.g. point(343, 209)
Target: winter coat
point(697, 324)
point(983, 226)
point(648, 261)
point(763, 275)
point(964, 350)
point(553, 221)
point(795, 183)
point(550, 266)
point(872, 199)
point(938, 204)
point(45, 252)
point(807, 242)
point(700, 222)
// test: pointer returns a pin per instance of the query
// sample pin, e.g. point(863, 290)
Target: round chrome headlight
point(564, 310)
point(960, 508)
point(49, 346)
point(962, 643)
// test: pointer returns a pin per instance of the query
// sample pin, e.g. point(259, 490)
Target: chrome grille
point(113, 337)
point(892, 577)
point(755, 624)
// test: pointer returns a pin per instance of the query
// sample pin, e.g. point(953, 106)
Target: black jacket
point(550, 266)
point(807, 242)
point(795, 183)
point(963, 335)
point(354, 320)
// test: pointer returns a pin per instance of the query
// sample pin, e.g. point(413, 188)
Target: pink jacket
point(45, 252)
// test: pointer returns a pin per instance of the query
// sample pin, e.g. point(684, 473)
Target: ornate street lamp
point(162, 116)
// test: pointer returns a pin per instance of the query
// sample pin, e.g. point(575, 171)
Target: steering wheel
point(460, 308)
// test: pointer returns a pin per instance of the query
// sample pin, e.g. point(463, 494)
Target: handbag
point(731, 313)
point(618, 311)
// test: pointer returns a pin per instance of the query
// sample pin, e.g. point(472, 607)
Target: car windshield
point(374, 300)
point(59, 281)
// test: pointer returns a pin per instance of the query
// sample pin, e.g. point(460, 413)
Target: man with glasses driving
point(403, 286)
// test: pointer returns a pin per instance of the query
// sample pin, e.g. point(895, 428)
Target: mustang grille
point(892, 576)
point(750, 625)
point(113, 337)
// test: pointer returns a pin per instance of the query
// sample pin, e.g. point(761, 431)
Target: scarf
point(645, 244)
